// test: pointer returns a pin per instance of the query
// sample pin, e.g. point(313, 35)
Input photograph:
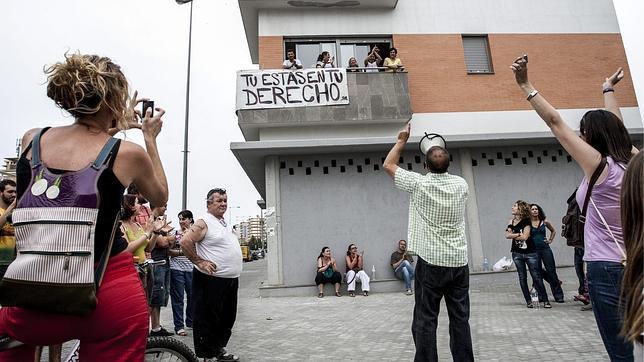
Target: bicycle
point(157, 349)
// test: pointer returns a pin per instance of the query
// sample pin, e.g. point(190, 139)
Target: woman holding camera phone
point(605, 146)
point(96, 93)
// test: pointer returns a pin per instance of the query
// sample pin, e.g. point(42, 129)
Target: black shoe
point(161, 333)
point(547, 305)
point(529, 305)
point(225, 356)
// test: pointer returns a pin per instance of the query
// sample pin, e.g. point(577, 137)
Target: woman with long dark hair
point(633, 226)
point(606, 146)
point(355, 270)
point(539, 225)
point(327, 272)
point(524, 253)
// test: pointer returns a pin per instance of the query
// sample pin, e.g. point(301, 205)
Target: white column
point(472, 211)
point(273, 221)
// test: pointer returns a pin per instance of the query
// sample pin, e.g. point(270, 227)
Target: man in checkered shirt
point(437, 235)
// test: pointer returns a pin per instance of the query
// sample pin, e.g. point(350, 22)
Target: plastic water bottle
point(373, 272)
point(486, 265)
point(535, 298)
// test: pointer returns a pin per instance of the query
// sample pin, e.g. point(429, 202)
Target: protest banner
point(257, 89)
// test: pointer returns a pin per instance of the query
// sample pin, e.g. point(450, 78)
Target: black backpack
point(572, 224)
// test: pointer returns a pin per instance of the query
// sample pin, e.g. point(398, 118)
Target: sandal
point(337, 294)
point(182, 332)
point(366, 293)
point(352, 294)
point(320, 295)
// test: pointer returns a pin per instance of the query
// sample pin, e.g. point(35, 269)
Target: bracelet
point(606, 90)
point(147, 235)
point(532, 94)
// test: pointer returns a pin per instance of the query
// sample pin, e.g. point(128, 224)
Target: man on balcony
point(291, 62)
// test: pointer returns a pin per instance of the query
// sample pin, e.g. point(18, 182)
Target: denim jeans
point(579, 269)
point(181, 281)
point(405, 272)
point(604, 284)
point(533, 263)
point(550, 274)
point(432, 284)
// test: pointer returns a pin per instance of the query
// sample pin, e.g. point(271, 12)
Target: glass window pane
point(361, 52)
point(346, 52)
point(308, 54)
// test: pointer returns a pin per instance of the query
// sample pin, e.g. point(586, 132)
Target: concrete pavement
point(378, 327)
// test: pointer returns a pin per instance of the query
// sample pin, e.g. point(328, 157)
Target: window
point(307, 50)
point(477, 54)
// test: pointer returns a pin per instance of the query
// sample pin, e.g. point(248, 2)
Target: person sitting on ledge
point(327, 272)
point(355, 263)
point(401, 262)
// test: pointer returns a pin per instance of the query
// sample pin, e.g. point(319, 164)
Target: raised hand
point(611, 81)
point(520, 69)
point(151, 126)
point(403, 135)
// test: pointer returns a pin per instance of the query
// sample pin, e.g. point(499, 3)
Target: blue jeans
point(405, 272)
point(604, 284)
point(533, 263)
point(432, 284)
point(579, 269)
point(180, 281)
point(550, 274)
point(161, 281)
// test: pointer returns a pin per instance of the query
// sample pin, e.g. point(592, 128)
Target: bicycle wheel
point(168, 349)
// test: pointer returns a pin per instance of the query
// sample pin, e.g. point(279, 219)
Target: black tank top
point(111, 191)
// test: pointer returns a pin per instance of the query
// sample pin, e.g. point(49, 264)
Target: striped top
point(436, 216)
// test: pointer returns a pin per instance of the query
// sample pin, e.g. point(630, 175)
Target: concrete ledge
point(377, 286)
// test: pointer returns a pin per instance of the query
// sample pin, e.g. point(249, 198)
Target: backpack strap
point(35, 148)
point(102, 263)
point(591, 183)
point(105, 153)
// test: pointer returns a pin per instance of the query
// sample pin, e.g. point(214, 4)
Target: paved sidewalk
point(378, 327)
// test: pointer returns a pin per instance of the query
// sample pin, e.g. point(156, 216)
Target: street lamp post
point(184, 193)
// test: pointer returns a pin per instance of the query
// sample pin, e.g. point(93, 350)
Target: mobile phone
point(146, 105)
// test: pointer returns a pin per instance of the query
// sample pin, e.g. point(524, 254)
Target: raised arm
point(586, 156)
point(608, 88)
point(391, 162)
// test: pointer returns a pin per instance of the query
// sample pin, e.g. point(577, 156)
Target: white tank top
point(221, 247)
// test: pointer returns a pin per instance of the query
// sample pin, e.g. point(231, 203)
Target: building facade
point(319, 169)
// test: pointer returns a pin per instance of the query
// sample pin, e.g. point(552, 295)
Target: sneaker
point(161, 333)
point(352, 294)
point(586, 307)
point(225, 356)
point(409, 292)
point(529, 305)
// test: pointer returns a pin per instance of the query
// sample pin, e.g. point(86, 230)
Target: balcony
point(376, 98)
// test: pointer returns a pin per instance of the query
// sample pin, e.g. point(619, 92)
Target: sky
point(149, 40)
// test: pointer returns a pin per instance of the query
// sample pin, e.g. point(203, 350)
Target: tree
point(255, 243)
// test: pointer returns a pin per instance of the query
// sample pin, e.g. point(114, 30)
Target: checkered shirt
point(436, 216)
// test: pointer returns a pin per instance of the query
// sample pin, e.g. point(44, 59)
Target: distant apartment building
point(317, 160)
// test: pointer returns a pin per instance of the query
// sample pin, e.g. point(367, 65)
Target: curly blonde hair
point(83, 84)
point(524, 209)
